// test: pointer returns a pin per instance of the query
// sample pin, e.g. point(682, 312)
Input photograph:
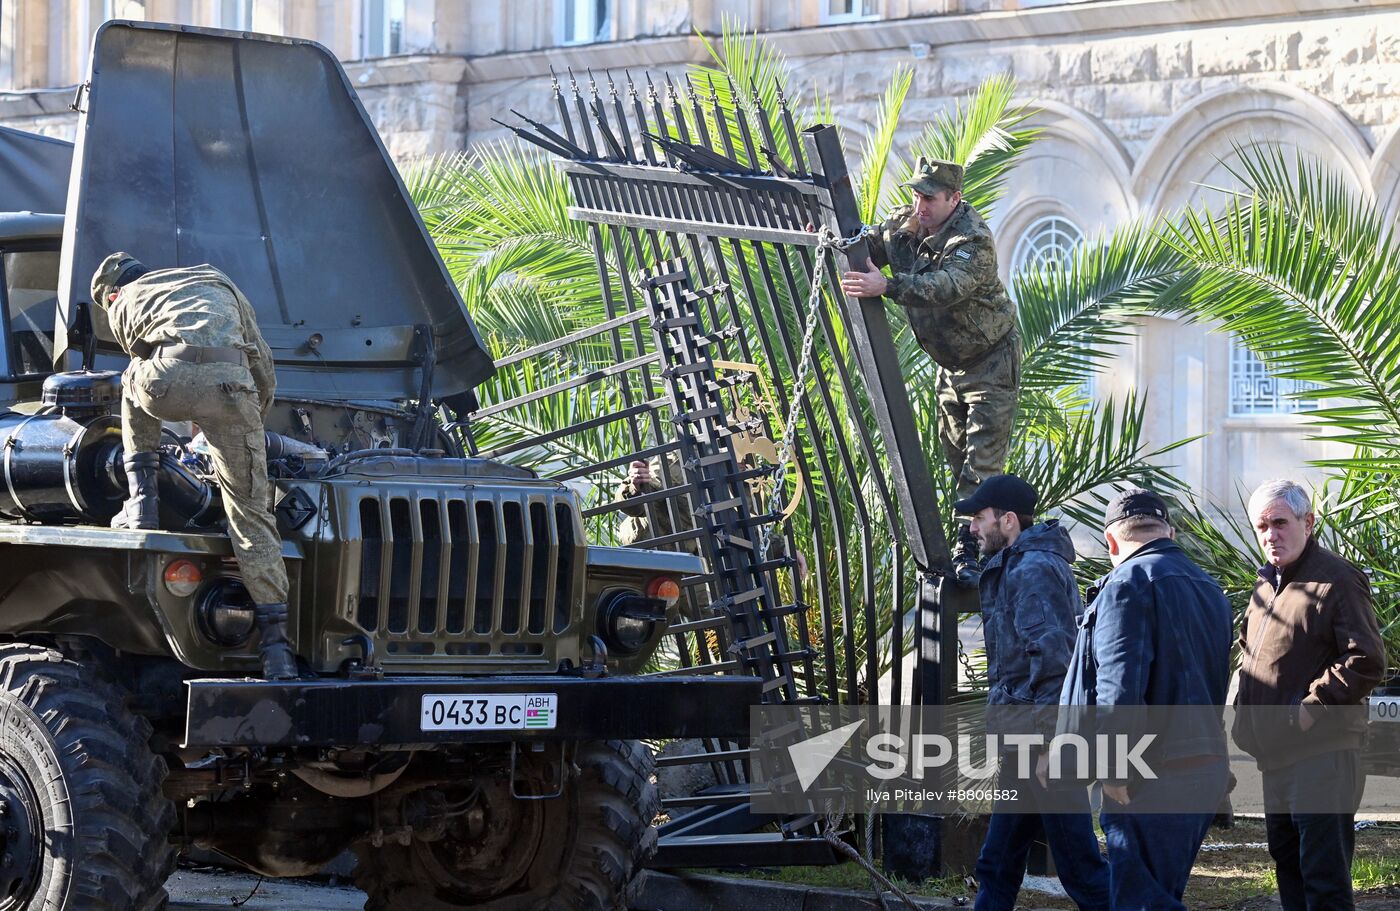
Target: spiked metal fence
point(726, 364)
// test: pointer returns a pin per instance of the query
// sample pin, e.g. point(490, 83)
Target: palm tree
point(1306, 273)
point(499, 215)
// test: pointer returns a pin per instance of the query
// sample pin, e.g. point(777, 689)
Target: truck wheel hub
point(21, 835)
point(490, 846)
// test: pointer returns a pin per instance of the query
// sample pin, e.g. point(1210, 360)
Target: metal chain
point(827, 241)
point(965, 659)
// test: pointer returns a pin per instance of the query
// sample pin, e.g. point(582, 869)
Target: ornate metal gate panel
point(708, 221)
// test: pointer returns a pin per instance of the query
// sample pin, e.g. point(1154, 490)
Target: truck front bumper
point(392, 712)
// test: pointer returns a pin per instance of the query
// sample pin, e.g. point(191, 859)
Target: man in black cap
point(1029, 606)
point(1157, 632)
point(943, 272)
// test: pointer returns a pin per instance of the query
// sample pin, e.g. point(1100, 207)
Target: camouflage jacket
point(193, 305)
point(638, 524)
point(947, 283)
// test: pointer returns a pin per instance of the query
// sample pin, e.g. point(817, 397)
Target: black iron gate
point(708, 217)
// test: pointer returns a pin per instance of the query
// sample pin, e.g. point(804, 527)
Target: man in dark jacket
point(1156, 632)
point(1029, 607)
point(943, 267)
point(1310, 647)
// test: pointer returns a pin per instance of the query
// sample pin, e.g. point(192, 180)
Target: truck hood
point(253, 154)
point(33, 172)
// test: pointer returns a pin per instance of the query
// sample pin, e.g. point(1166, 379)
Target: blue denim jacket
point(1029, 606)
point(1157, 631)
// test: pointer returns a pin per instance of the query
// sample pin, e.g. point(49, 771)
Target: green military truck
point(470, 710)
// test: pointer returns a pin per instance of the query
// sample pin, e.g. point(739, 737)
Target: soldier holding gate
point(944, 274)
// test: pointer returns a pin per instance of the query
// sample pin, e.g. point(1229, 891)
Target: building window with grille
point(1047, 244)
point(236, 15)
point(849, 10)
point(584, 21)
point(381, 28)
point(1254, 391)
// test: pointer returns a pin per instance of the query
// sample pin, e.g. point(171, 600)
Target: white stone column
point(299, 19)
point(10, 25)
point(338, 27)
point(269, 16)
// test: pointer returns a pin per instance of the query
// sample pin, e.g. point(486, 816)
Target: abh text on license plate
point(503, 712)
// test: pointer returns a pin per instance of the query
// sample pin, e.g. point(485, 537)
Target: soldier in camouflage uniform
point(944, 274)
point(642, 479)
point(644, 521)
point(197, 355)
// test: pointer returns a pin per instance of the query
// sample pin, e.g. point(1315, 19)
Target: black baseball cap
point(1003, 491)
point(1135, 501)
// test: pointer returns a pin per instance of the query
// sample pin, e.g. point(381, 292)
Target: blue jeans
point(1001, 865)
point(1150, 853)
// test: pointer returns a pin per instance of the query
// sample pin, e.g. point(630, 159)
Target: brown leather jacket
point(1308, 637)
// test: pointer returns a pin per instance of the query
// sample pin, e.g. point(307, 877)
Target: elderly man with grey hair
point(1310, 643)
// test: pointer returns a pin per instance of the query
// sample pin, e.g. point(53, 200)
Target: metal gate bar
point(698, 221)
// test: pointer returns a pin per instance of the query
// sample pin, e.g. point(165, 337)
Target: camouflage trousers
point(223, 401)
point(976, 408)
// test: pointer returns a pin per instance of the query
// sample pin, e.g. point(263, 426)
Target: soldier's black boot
point(278, 662)
point(142, 508)
point(967, 562)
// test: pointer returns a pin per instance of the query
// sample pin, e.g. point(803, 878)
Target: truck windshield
point(31, 302)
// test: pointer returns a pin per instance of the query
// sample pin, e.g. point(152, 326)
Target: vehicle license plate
point(1385, 708)
point(504, 712)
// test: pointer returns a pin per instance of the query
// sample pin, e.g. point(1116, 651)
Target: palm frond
point(875, 153)
point(1307, 273)
point(1072, 319)
point(985, 134)
point(1101, 447)
point(745, 67)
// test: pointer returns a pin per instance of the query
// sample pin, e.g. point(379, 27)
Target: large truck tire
point(581, 851)
point(84, 824)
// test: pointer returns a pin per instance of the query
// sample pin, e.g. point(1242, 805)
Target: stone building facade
point(1141, 103)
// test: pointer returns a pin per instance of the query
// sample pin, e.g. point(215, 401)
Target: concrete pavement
point(192, 890)
point(205, 890)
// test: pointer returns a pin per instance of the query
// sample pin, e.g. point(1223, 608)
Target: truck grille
point(481, 575)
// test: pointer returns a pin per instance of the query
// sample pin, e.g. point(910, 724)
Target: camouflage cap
point(932, 176)
point(104, 280)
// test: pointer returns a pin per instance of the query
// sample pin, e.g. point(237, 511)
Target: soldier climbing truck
point(469, 712)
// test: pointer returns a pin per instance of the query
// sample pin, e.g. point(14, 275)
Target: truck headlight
point(224, 614)
point(627, 620)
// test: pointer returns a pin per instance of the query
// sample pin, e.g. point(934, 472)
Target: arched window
point(1255, 391)
point(1047, 243)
